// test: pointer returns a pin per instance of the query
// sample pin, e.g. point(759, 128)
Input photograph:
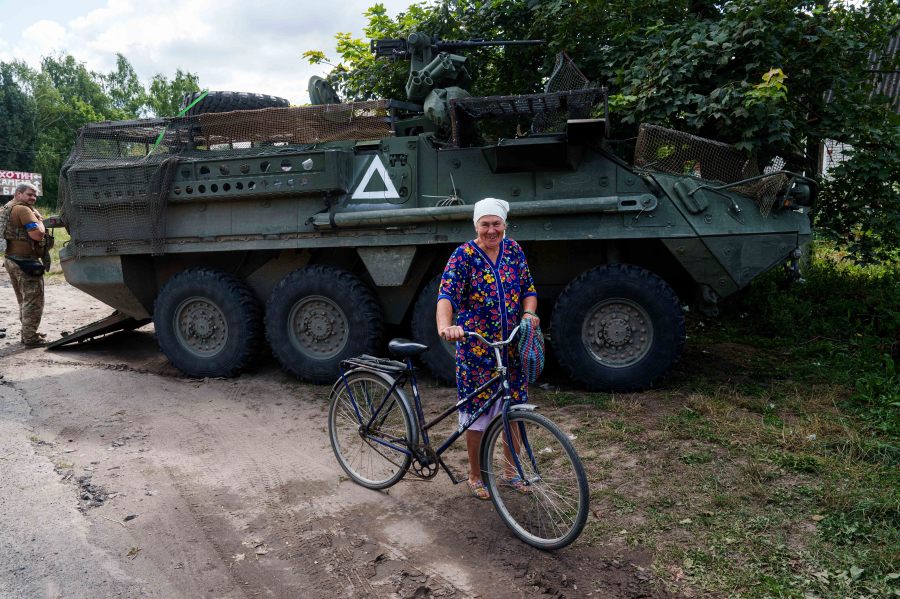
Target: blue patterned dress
point(487, 298)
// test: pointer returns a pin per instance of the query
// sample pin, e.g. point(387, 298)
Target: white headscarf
point(492, 207)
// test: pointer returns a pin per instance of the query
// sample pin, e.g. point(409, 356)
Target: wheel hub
point(319, 328)
point(617, 332)
point(200, 326)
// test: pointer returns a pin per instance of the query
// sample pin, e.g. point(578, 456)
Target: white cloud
point(230, 44)
point(39, 39)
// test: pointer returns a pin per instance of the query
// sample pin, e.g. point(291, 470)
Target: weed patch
point(768, 467)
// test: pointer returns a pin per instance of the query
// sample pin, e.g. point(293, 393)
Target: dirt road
point(122, 478)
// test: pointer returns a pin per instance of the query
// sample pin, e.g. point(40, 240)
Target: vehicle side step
point(111, 324)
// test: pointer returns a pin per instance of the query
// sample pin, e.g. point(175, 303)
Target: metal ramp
point(113, 323)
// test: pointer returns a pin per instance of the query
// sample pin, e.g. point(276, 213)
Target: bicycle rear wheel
point(358, 451)
point(547, 510)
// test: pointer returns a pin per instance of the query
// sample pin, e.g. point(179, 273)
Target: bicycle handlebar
point(494, 343)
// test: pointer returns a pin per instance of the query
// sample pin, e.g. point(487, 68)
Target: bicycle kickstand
point(449, 472)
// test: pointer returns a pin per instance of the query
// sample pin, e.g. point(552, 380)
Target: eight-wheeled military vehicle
point(312, 228)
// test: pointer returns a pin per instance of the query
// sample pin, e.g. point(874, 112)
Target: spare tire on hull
point(208, 323)
point(318, 316)
point(617, 328)
point(228, 101)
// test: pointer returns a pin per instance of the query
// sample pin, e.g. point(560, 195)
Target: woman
point(488, 283)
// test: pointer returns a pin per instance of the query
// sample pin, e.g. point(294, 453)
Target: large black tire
point(318, 316)
point(208, 322)
point(228, 101)
point(440, 359)
point(617, 328)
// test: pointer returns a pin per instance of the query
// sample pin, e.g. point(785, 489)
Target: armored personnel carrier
point(313, 228)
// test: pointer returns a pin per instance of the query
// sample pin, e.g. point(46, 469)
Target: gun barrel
point(400, 48)
point(450, 45)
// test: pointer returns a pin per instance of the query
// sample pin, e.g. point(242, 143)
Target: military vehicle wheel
point(440, 359)
point(617, 328)
point(318, 316)
point(228, 101)
point(208, 322)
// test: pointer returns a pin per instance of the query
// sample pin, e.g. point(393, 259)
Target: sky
point(232, 45)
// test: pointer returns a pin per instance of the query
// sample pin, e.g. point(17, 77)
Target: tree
point(67, 96)
point(124, 89)
point(164, 97)
point(17, 115)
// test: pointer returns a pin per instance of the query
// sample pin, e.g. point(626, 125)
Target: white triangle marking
point(388, 194)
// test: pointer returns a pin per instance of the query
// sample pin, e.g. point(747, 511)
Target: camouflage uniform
point(29, 289)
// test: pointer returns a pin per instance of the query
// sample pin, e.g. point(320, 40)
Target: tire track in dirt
point(329, 559)
point(201, 490)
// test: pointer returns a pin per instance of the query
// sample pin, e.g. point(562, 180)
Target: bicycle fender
point(390, 381)
point(526, 407)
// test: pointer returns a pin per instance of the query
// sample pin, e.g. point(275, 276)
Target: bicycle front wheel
point(548, 507)
point(360, 447)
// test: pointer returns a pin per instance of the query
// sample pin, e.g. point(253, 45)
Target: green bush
point(859, 204)
point(839, 301)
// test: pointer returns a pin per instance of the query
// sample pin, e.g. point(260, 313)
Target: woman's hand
point(451, 333)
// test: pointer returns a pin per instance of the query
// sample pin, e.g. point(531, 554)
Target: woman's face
point(490, 230)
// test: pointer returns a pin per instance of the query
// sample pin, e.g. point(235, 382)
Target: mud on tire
point(228, 101)
point(208, 323)
point(617, 328)
point(318, 316)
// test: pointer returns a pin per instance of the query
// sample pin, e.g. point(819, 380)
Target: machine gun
point(433, 65)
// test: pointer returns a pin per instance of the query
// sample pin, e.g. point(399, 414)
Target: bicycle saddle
point(404, 348)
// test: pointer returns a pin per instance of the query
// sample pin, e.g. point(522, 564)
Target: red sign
point(10, 179)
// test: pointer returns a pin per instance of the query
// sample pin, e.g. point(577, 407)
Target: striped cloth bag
point(531, 349)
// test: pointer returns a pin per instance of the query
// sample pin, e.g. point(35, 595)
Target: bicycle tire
point(552, 510)
point(365, 461)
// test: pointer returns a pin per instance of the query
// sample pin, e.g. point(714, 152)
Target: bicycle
point(377, 440)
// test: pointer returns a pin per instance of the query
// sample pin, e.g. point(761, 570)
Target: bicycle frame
point(502, 391)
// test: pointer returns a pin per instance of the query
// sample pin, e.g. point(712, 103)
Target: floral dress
point(487, 298)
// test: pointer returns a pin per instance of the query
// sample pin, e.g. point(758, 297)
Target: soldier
point(24, 234)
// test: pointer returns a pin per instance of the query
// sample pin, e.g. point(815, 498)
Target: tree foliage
point(773, 77)
point(164, 96)
point(42, 109)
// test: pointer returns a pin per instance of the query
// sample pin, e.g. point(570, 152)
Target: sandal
point(478, 490)
point(518, 484)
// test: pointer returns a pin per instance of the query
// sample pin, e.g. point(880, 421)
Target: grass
point(774, 471)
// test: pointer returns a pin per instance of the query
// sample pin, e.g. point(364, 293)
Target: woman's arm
point(529, 309)
point(444, 317)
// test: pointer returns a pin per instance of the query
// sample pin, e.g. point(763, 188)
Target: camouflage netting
point(546, 110)
point(298, 125)
point(566, 76)
point(116, 181)
point(668, 151)
point(568, 95)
